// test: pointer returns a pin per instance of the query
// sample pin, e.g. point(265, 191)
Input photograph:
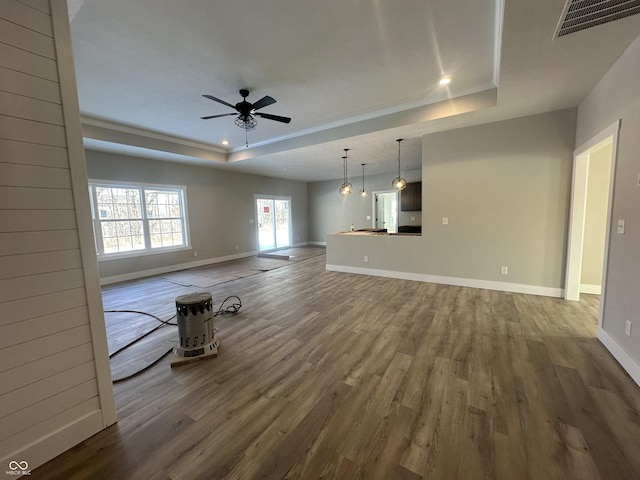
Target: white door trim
point(578, 209)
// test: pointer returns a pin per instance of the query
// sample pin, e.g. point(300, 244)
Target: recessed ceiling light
point(445, 80)
point(225, 142)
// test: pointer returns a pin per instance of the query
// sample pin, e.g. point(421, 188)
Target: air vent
point(582, 14)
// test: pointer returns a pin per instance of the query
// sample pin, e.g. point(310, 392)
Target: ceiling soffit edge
point(433, 100)
point(124, 135)
point(435, 111)
point(119, 134)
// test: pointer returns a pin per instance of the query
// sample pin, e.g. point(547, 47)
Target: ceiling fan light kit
point(247, 112)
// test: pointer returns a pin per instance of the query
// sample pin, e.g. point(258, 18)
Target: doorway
point(385, 210)
point(274, 222)
point(590, 152)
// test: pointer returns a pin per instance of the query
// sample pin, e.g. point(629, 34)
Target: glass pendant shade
point(363, 192)
point(399, 183)
point(346, 188)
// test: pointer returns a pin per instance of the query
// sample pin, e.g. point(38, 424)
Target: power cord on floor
point(233, 308)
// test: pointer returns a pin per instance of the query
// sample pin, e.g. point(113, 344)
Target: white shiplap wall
point(55, 385)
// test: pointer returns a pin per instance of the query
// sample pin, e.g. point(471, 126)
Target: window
point(129, 219)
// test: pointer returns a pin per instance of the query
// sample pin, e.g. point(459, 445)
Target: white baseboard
point(460, 282)
point(317, 244)
point(41, 451)
point(627, 362)
point(183, 266)
point(590, 289)
point(172, 268)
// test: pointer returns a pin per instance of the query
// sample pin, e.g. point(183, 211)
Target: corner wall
point(615, 98)
point(55, 381)
point(505, 189)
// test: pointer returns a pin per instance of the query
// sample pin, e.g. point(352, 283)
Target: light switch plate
point(621, 227)
point(445, 220)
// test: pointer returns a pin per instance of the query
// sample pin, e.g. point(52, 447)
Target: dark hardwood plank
point(330, 375)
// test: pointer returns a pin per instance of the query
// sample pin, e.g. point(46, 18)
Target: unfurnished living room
point(338, 239)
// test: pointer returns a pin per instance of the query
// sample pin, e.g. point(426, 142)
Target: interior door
point(274, 223)
point(386, 211)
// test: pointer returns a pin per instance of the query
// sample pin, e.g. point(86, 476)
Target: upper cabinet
point(411, 197)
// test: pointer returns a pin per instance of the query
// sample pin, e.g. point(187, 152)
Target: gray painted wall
point(505, 189)
point(616, 97)
point(220, 207)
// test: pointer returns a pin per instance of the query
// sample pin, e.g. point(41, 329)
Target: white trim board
point(172, 268)
point(50, 446)
point(184, 266)
point(590, 289)
point(455, 281)
point(624, 359)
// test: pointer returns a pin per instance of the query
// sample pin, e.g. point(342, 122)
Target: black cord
point(138, 372)
point(164, 322)
point(231, 309)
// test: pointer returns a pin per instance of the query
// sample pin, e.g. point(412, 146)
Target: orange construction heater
point(194, 313)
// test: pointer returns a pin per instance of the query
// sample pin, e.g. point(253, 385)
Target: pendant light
point(363, 192)
point(399, 183)
point(346, 187)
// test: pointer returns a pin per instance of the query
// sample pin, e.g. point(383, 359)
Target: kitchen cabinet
point(411, 197)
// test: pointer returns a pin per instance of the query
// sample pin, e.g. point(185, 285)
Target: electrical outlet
point(445, 220)
point(627, 328)
point(366, 259)
point(504, 270)
point(237, 247)
point(195, 254)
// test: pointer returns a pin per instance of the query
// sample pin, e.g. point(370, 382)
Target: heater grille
point(582, 14)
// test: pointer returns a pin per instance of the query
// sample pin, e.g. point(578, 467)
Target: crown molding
point(106, 125)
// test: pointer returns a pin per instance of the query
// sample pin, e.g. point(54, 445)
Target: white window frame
point(97, 226)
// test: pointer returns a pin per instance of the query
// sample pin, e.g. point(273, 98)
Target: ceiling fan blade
point(211, 97)
point(216, 116)
point(277, 118)
point(263, 102)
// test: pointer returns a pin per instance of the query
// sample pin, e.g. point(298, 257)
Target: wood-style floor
point(333, 375)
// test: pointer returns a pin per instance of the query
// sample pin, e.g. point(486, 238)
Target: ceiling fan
point(247, 111)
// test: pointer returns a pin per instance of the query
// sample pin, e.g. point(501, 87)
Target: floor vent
point(582, 14)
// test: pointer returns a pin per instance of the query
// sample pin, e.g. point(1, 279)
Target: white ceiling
point(350, 73)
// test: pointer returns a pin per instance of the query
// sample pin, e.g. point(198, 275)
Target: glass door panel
point(274, 223)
